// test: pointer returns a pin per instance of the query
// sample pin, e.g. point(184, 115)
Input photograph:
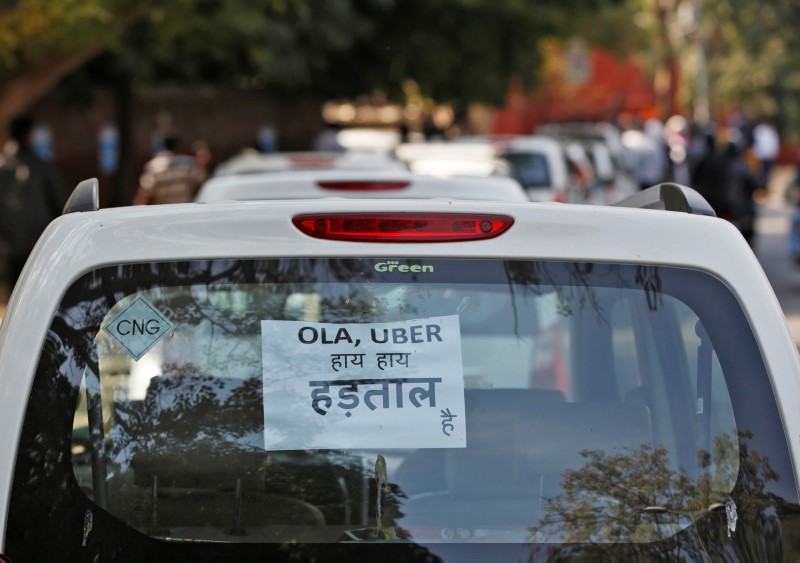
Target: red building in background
point(579, 85)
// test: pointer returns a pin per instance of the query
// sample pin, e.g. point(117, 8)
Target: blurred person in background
point(742, 186)
point(766, 145)
point(203, 158)
point(710, 178)
point(678, 137)
point(742, 124)
point(31, 195)
point(169, 177)
point(697, 146)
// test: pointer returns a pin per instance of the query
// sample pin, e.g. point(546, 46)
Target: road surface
point(771, 248)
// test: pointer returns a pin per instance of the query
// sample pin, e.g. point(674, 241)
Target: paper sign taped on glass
point(363, 385)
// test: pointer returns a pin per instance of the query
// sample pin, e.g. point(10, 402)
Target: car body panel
point(77, 243)
point(306, 184)
point(452, 159)
point(252, 162)
point(553, 152)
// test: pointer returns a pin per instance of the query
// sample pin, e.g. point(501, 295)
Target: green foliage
point(751, 48)
point(454, 49)
point(613, 26)
point(639, 496)
point(33, 30)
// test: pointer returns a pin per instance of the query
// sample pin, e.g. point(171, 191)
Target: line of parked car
point(570, 164)
point(362, 363)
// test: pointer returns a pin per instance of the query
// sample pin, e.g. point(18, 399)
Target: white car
point(387, 380)
point(539, 164)
point(588, 132)
point(253, 162)
point(390, 184)
point(452, 159)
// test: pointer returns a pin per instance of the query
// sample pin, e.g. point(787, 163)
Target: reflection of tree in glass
point(638, 497)
point(183, 410)
point(196, 431)
point(648, 279)
point(43, 447)
point(575, 283)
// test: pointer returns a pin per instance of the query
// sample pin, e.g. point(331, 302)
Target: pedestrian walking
point(766, 146)
point(169, 177)
point(31, 195)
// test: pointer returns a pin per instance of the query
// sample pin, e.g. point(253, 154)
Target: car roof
point(346, 183)
point(477, 158)
point(374, 141)
point(549, 147)
point(601, 131)
point(545, 230)
point(539, 143)
point(252, 162)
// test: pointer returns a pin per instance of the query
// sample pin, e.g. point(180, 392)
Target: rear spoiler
point(85, 197)
point(669, 197)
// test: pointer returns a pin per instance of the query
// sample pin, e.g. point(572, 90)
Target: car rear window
point(529, 169)
point(308, 403)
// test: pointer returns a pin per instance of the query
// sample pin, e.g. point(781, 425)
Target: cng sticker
point(138, 327)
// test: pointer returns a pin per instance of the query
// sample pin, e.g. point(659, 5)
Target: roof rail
point(669, 197)
point(85, 197)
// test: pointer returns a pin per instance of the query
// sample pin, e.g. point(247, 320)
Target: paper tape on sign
point(363, 385)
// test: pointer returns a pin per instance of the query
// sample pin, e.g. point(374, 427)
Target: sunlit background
point(106, 79)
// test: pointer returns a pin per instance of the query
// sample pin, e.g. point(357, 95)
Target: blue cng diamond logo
point(139, 327)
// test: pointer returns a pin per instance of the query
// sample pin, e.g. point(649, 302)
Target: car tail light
point(363, 186)
point(403, 227)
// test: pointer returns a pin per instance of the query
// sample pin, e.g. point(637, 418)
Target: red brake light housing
point(363, 185)
point(403, 227)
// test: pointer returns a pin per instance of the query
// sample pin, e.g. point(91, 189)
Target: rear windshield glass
point(530, 169)
point(314, 401)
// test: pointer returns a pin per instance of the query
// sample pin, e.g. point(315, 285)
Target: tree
point(464, 49)
point(740, 51)
point(42, 41)
point(639, 499)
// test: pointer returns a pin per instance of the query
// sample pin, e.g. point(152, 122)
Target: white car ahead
point(452, 159)
point(380, 184)
point(253, 162)
point(397, 380)
point(540, 165)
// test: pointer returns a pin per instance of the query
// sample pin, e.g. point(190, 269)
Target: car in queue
point(398, 184)
point(397, 380)
point(589, 132)
point(541, 166)
point(254, 162)
point(448, 159)
point(551, 168)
